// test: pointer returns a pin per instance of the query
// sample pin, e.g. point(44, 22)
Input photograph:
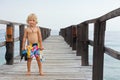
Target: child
point(33, 35)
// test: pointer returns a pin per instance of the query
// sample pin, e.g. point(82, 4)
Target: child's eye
point(30, 20)
point(33, 20)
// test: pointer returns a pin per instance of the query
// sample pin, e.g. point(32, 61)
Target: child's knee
point(29, 59)
point(37, 58)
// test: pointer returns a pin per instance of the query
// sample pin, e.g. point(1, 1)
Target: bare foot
point(28, 73)
point(41, 74)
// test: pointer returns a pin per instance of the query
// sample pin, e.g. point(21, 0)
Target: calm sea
point(111, 65)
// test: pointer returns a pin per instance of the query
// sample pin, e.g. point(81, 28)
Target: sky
point(57, 14)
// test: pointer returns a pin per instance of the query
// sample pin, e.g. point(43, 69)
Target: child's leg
point(29, 66)
point(39, 65)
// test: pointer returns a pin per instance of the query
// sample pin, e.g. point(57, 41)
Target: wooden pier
point(67, 55)
point(61, 63)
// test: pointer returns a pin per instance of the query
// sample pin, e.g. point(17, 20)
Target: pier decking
point(61, 63)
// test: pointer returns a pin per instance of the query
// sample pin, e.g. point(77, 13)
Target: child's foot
point(28, 73)
point(41, 74)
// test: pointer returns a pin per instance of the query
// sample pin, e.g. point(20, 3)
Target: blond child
point(32, 34)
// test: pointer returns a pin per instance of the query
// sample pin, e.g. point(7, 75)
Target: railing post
point(98, 50)
point(70, 36)
point(82, 43)
point(9, 44)
point(79, 33)
point(21, 34)
point(84, 56)
point(42, 32)
point(64, 33)
point(74, 37)
point(68, 32)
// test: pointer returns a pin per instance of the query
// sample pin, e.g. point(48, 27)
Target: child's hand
point(42, 48)
point(27, 47)
point(23, 48)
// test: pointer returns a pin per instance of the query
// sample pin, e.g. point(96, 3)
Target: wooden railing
point(79, 37)
point(9, 43)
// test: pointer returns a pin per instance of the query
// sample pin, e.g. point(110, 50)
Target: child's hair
point(32, 16)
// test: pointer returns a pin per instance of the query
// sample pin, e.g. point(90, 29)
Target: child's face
point(32, 22)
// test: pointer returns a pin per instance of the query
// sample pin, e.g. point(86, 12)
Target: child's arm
point(24, 39)
point(40, 39)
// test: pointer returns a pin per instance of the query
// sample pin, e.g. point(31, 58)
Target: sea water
point(111, 65)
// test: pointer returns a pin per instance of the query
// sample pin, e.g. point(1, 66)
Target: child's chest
point(32, 30)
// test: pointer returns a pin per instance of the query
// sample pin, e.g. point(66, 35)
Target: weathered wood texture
point(82, 43)
point(74, 37)
point(98, 50)
point(9, 44)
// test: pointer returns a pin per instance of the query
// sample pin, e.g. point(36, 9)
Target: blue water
point(111, 65)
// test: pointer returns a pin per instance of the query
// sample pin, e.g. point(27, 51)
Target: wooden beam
point(98, 50)
point(112, 53)
point(9, 44)
point(110, 15)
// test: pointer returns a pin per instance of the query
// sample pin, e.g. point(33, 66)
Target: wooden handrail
point(98, 45)
point(110, 15)
point(105, 17)
point(90, 21)
point(4, 42)
point(111, 52)
point(7, 22)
